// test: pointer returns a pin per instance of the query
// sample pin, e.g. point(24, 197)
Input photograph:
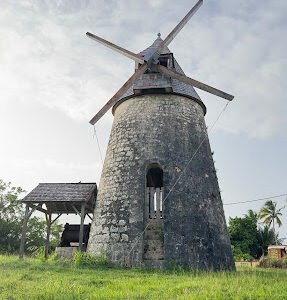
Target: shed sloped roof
point(63, 197)
point(277, 247)
point(67, 192)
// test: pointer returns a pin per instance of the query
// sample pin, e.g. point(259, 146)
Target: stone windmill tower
point(158, 201)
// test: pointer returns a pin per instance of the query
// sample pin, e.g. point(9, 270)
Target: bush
point(83, 259)
point(53, 256)
point(243, 257)
point(268, 262)
point(41, 253)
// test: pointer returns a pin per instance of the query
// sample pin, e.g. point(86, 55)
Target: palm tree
point(266, 237)
point(270, 215)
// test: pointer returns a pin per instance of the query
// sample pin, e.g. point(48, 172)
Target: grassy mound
point(34, 279)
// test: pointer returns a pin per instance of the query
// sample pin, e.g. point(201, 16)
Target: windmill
point(151, 62)
point(144, 214)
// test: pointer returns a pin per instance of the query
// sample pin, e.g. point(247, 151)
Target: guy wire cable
point(181, 173)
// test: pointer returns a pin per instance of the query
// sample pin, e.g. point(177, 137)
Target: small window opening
point(154, 184)
point(164, 61)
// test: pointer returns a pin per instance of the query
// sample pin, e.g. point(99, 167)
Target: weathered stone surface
point(168, 130)
point(66, 253)
point(153, 239)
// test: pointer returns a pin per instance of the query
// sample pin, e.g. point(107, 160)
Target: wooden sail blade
point(127, 53)
point(179, 26)
point(119, 93)
point(193, 82)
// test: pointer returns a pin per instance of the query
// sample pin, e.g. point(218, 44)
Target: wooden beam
point(151, 202)
point(56, 219)
point(157, 195)
point(119, 93)
point(38, 207)
point(81, 234)
point(162, 204)
point(75, 209)
point(49, 223)
point(179, 26)
point(193, 82)
point(137, 58)
point(65, 207)
point(147, 204)
point(24, 231)
point(90, 217)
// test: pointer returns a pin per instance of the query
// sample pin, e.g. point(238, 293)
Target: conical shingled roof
point(178, 87)
point(154, 46)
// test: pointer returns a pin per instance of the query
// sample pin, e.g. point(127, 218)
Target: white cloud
point(32, 171)
point(156, 3)
point(238, 47)
point(44, 60)
point(47, 62)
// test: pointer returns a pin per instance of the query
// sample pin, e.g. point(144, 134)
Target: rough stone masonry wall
point(163, 129)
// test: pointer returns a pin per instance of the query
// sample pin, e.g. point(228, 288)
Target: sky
point(53, 80)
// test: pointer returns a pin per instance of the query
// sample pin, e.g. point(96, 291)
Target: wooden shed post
point(49, 223)
point(24, 231)
point(81, 234)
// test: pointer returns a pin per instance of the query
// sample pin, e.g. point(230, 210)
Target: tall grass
point(34, 279)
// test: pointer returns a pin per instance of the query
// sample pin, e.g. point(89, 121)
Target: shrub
point(268, 262)
point(53, 256)
point(41, 254)
point(243, 257)
point(87, 260)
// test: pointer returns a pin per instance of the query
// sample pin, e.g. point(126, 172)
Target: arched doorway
point(154, 233)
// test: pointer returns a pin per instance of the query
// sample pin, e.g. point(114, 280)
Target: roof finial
point(159, 34)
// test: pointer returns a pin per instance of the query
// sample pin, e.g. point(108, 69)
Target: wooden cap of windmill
point(152, 60)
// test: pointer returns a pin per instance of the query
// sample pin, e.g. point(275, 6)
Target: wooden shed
point(57, 199)
point(277, 251)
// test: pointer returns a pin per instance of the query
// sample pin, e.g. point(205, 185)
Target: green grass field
point(33, 279)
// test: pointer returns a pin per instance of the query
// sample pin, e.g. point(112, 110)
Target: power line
point(254, 200)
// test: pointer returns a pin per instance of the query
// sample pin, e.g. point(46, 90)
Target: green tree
point(250, 239)
point(9, 201)
point(270, 214)
point(11, 212)
point(243, 236)
point(266, 237)
point(10, 232)
point(11, 220)
point(252, 215)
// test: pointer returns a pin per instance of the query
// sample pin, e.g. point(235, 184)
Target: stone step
point(153, 263)
point(153, 249)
